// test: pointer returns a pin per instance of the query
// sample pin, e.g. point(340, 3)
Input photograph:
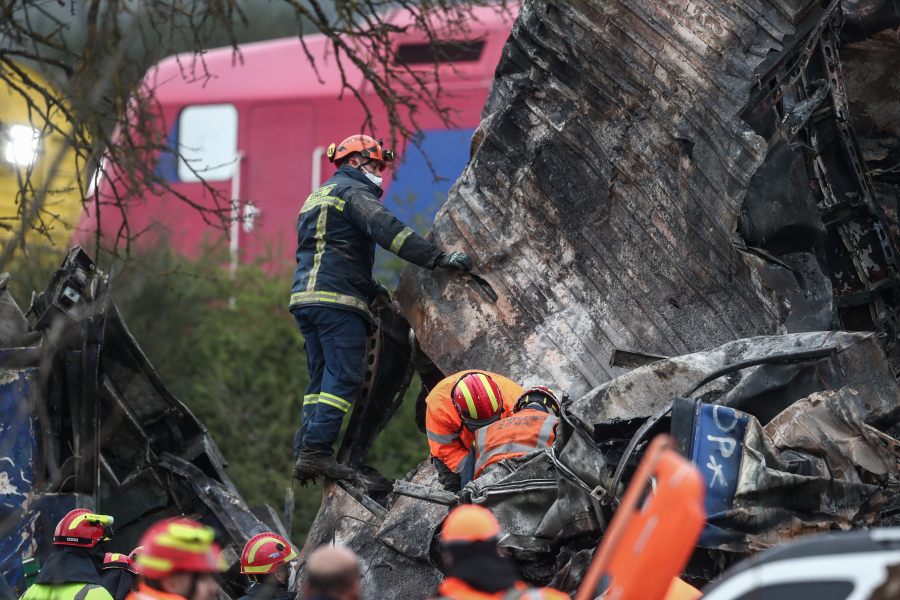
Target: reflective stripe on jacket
point(67, 591)
point(516, 435)
point(453, 588)
point(337, 230)
point(448, 439)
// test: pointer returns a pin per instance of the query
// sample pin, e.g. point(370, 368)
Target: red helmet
point(538, 395)
point(135, 552)
point(264, 553)
point(477, 399)
point(118, 561)
point(82, 528)
point(363, 144)
point(177, 545)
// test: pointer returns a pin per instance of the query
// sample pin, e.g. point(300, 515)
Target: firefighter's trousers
point(335, 356)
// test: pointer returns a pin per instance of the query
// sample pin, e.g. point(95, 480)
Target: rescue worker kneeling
point(475, 567)
point(178, 561)
point(531, 427)
point(266, 563)
point(71, 571)
point(456, 408)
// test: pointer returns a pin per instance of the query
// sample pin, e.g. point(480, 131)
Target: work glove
point(455, 260)
point(381, 294)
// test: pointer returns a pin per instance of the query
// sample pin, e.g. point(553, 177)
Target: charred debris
point(85, 422)
point(676, 221)
point(683, 216)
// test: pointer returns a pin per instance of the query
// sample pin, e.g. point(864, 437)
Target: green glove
point(455, 260)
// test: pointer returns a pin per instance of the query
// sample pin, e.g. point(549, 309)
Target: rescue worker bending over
point(118, 574)
point(71, 571)
point(338, 227)
point(474, 566)
point(266, 563)
point(178, 561)
point(456, 408)
point(531, 427)
point(332, 573)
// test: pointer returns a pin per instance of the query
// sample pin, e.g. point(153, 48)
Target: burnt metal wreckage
point(85, 422)
point(675, 220)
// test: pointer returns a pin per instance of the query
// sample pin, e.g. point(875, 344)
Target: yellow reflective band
point(330, 201)
point(290, 556)
point(115, 557)
point(322, 192)
point(490, 392)
point(256, 546)
point(190, 539)
point(263, 569)
point(310, 399)
point(158, 564)
point(320, 296)
point(473, 413)
point(332, 400)
point(77, 520)
point(399, 239)
point(320, 251)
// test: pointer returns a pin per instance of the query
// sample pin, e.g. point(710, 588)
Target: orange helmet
point(538, 395)
point(264, 553)
point(477, 399)
point(470, 523)
point(363, 144)
point(118, 561)
point(82, 528)
point(177, 545)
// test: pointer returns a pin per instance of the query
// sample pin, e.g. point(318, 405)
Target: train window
point(444, 52)
point(207, 140)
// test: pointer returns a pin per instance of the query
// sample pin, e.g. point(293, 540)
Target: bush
point(231, 351)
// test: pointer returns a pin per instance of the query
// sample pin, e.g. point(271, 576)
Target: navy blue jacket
point(337, 230)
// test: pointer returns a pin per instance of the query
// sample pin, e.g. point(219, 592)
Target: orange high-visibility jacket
point(145, 592)
point(449, 440)
point(453, 588)
point(526, 431)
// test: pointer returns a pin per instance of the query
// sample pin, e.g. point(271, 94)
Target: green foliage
point(239, 366)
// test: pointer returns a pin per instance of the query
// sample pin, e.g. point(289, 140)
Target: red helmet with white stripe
point(264, 553)
point(477, 399)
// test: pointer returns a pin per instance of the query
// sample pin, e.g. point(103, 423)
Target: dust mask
point(373, 178)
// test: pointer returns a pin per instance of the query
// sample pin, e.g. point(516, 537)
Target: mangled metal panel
point(603, 193)
point(106, 433)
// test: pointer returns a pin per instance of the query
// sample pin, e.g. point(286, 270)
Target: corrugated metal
point(601, 203)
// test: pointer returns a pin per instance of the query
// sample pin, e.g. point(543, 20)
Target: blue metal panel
point(18, 448)
point(717, 444)
point(716, 447)
point(415, 197)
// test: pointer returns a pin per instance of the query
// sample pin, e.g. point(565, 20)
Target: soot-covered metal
point(88, 423)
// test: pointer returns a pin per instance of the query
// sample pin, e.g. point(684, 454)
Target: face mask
point(373, 178)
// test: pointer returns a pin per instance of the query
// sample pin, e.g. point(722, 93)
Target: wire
point(334, 525)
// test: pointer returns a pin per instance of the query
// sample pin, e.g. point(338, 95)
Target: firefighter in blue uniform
point(333, 288)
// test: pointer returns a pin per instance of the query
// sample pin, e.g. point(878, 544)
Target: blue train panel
point(415, 196)
point(18, 448)
point(713, 438)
